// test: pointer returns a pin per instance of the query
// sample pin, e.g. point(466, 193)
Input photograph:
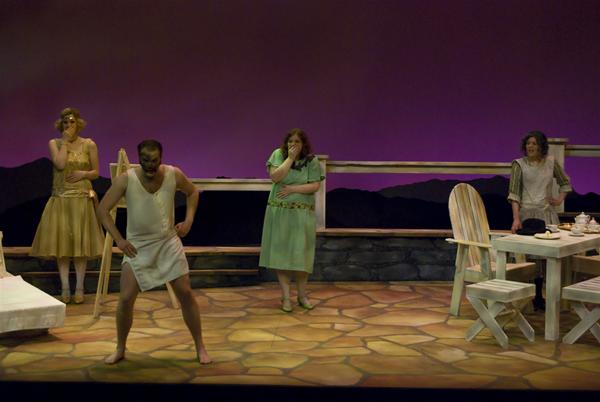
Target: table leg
point(553, 279)
point(567, 279)
point(501, 265)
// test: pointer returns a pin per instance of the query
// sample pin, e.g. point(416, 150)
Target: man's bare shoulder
point(178, 172)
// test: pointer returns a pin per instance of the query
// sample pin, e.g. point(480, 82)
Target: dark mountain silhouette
point(29, 182)
point(363, 209)
point(25, 183)
point(438, 190)
point(236, 218)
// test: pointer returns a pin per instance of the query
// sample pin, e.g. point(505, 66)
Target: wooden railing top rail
point(499, 168)
point(222, 184)
point(495, 168)
point(233, 184)
point(583, 150)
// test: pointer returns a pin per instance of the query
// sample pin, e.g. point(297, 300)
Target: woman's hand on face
point(516, 225)
point(127, 248)
point(75, 176)
point(294, 152)
point(69, 133)
point(284, 191)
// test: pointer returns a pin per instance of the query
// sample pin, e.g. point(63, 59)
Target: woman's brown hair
point(306, 152)
point(80, 123)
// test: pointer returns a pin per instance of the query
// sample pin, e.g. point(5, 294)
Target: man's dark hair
point(151, 145)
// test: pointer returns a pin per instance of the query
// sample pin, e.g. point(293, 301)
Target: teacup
point(577, 229)
point(552, 228)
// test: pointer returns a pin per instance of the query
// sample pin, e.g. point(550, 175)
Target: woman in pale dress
point(530, 189)
point(68, 229)
point(289, 230)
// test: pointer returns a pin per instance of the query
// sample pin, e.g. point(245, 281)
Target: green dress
point(289, 230)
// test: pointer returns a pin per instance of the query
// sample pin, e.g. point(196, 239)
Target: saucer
point(547, 236)
point(576, 235)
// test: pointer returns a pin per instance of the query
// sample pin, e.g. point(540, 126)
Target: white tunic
point(537, 188)
point(150, 228)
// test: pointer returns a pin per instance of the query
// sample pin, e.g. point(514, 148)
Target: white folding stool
point(504, 296)
point(580, 293)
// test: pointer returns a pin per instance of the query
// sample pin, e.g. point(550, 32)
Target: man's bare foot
point(204, 357)
point(115, 357)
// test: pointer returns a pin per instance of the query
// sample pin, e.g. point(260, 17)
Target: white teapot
point(582, 219)
point(594, 226)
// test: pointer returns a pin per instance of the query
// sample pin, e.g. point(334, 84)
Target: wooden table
point(553, 251)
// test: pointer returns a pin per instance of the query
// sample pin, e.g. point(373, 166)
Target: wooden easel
point(3, 271)
point(121, 166)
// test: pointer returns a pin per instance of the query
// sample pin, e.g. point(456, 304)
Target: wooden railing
point(558, 147)
point(583, 150)
point(418, 167)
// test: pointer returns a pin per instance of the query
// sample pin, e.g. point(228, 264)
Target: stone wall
point(381, 259)
point(337, 258)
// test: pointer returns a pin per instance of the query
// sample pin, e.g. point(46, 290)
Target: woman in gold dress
point(69, 229)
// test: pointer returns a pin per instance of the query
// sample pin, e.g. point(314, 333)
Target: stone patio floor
point(361, 334)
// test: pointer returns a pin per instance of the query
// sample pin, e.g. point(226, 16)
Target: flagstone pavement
point(360, 334)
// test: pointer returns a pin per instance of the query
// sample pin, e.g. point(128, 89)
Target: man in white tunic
point(153, 252)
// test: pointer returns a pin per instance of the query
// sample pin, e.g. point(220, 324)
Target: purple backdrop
point(220, 82)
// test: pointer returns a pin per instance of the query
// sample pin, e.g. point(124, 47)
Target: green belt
point(290, 205)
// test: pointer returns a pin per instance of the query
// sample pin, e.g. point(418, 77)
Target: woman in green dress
point(289, 230)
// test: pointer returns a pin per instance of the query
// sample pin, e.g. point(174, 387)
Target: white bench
point(503, 296)
point(580, 293)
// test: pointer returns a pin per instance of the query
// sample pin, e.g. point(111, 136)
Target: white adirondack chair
point(474, 260)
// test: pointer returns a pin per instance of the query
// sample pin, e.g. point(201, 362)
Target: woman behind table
point(289, 231)
point(68, 228)
point(530, 188)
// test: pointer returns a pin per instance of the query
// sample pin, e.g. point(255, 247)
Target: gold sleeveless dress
point(69, 227)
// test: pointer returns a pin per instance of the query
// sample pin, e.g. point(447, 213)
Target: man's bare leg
point(127, 296)
point(191, 314)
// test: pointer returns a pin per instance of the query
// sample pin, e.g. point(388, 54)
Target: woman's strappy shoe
point(306, 305)
point(65, 296)
point(78, 297)
point(286, 305)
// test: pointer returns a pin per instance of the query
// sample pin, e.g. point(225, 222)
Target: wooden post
point(556, 148)
point(320, 196)
point(3, 271)
point(106, 262)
